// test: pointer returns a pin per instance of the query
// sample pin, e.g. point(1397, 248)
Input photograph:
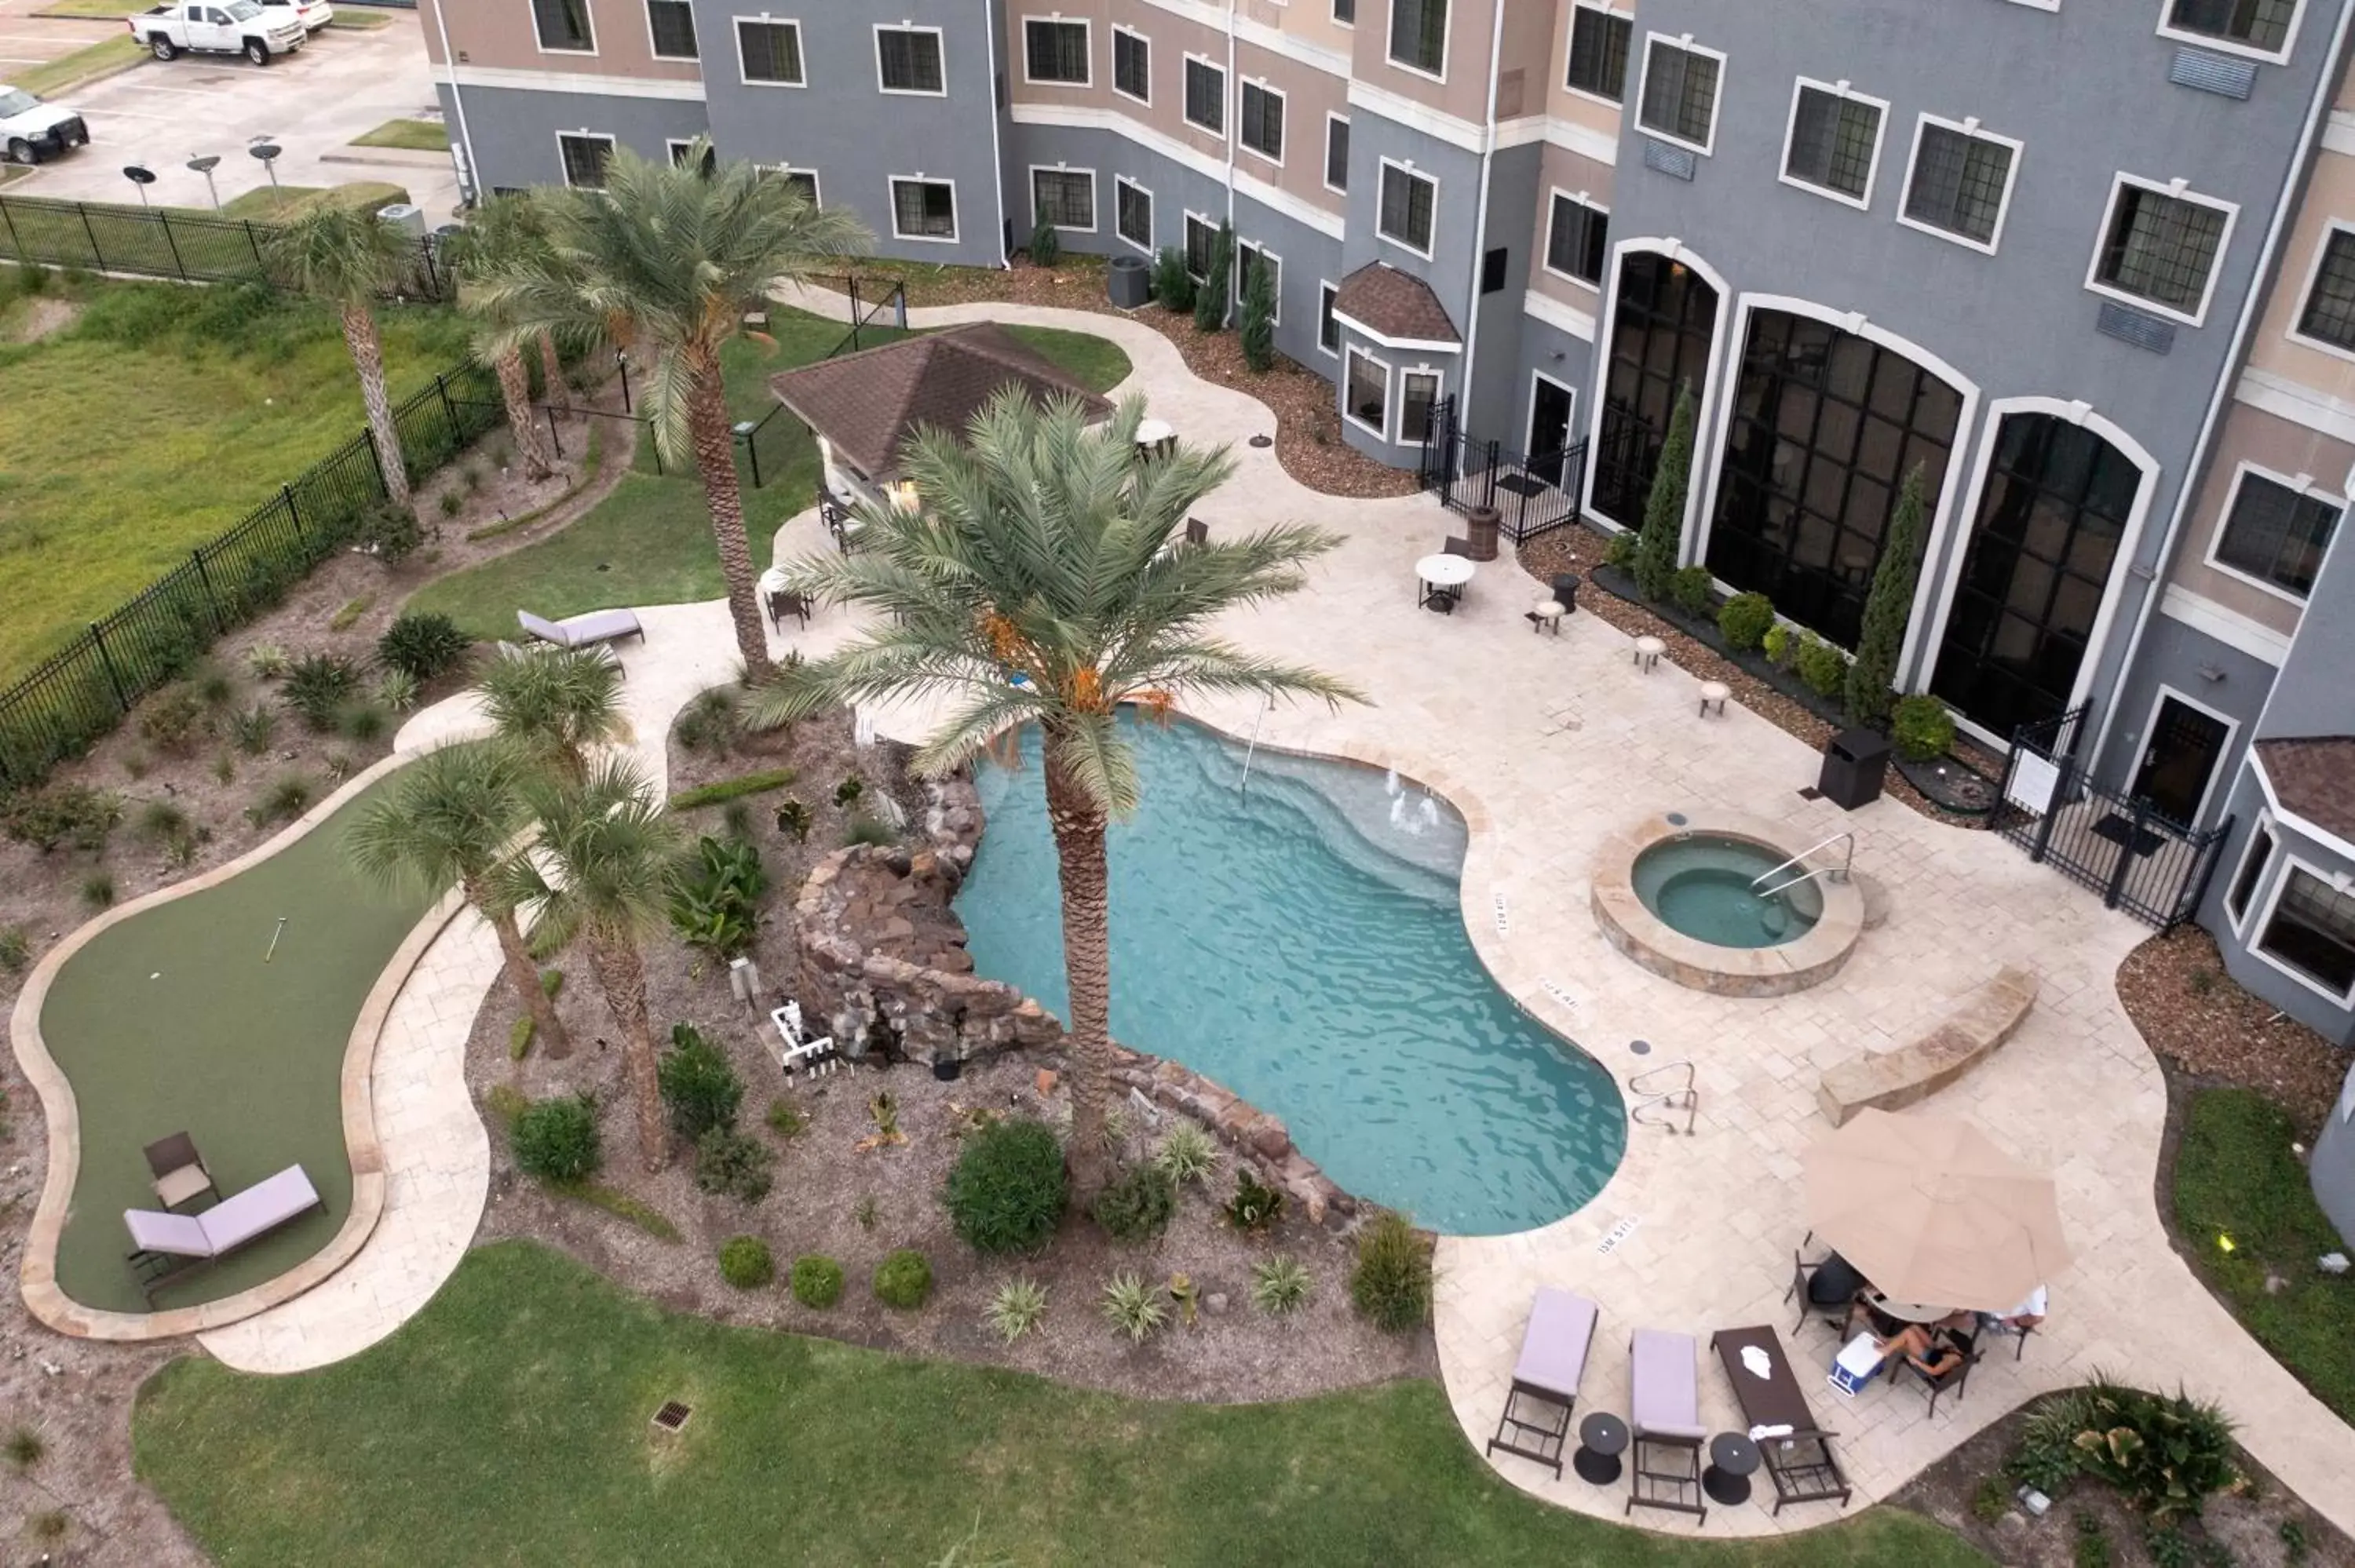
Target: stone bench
point(1892, 1079)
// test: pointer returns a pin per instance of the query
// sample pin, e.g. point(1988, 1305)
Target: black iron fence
point(157, 242)
point(83, 691)
point(2105, 839)
point(1532, 494)
point(763, 441)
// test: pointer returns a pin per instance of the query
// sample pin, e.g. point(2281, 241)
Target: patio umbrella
point(1930, 1209)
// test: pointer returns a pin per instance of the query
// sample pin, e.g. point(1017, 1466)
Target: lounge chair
point(1665, 1421)
point(168, 1246)
point(1536, 1421)
point(1798, 1454)
point(179, 1172)
point(583, 630)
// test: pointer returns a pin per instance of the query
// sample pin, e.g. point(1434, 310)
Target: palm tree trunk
point(524, 975)
point(368, 359)
point(715, 459)
point(1079, 828)
point(523, 420)
point(551, 373)
point(623, 978)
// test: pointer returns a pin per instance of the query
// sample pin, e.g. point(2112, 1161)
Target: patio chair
point(1664, 1418)
point(1455, 547)
point(166, 1248)
point(782, 602)
point(1957, 1373)
point(599, 626)
point(799, 1050)
point(1536, 1420)
point(1197, 531)
point(1823, 1289)
point(179, 1172)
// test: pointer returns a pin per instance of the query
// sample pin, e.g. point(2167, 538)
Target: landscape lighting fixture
point(205, 165)
point(141, 175)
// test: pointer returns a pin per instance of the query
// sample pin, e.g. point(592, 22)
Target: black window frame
point(1247, 120)
point(1382, 205)
point(574, 16)
point(679, 11)
point(2284, 532)
point(1350, 357)
point(1424, 25)
point(774, 28)
point(1944, 211)
point(1591, 240)
point(2312, 902)
point(1663, 331)
point(913, 36)
point(1406, 407)
point(2257, 859)
point(564, 146)
point(1189, 77)
point(2326, 314)
point(1063, 178)
point(927, 184)
point(1691, 59)
point(1339, 123)
point(1819, 149)
point(1123, 189)
point(1131, 47)
point(1199, 258)
point(2134, 204)
point(1600, 44)
point(1057, 54)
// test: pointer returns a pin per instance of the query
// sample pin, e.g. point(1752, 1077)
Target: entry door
point(2178, 759)
point(1549, 413)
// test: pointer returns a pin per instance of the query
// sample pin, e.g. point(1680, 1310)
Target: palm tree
point(1046, 550)
point(666, 259)
point(455, 816)
point(554, 704)
point(607, 858)
point(348, 258)
point(505, 233)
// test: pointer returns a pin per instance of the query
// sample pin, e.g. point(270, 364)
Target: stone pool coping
point(37, 1273)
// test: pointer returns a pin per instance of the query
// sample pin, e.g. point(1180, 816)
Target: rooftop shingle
point(1396, 305)
point(2314, 777)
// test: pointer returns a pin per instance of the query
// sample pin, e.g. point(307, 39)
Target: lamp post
point(205, 165)
point(268, 150)
point(140, 177)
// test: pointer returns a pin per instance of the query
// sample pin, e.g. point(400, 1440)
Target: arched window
point(1661, 331)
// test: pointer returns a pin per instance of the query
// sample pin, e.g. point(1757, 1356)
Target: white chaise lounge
point(1536, 1421)
point(583, 630)
point(168, 1246)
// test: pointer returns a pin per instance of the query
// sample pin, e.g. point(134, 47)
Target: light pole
point(268, 150)
point(204, 166)
point(140, 177)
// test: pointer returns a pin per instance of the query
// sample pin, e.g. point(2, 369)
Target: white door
point(210, 29)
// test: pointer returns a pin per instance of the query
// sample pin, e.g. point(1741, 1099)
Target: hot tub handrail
point(1845, 833)
point(1251, 751)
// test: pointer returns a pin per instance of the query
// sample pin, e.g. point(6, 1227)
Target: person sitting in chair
point(1932, 1350)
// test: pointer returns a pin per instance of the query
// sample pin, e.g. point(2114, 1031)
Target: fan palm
point(666, 260)
point(507, 232)
point(1044, 550)
point(554, 704)
point(348, 258)
point(606, 863)
point(454, 816)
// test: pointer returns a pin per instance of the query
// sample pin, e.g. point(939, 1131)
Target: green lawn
point(206, 400)
point(2236, 1176)
point(650, 541)
point(94, 10)
point(266, 203)
point(508, 1424)
point(71, 70)
point(416, 136)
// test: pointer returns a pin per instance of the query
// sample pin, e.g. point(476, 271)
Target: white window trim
point(1438, 390)
point(2216, 774)
point(2302, 485)
point(1717, 102)
point(1412, 172)
point(1845, 94)
point(2181, 190)
point(2228, 46)
point(582, 134)
point(891, 184)
point(653, 51)
point(938, 38)
point(1059, 20)
point(1389, 392)
point(818, 190)
point(1545, 256)
point(671, 146)
point(1328, 295)
point(1570, 37)
point(1094, 204)
point(1153, 214)
point(1186, 237)
point(588, 14)
point(1284, 118)
point(1119, 91)
point(1967, 126)
point(2255, 942)
point(801, 48)
point(1570, 427)
point(2039, 4)
point(1242, 245)
point(1327, 149)
point(1446, 49)
point(2306, 292)
point(2266, 830)
point(1186, 98)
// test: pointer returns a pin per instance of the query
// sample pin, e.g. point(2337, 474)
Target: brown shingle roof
point(1395, 304)
point(867, 403)
point(2314, 777)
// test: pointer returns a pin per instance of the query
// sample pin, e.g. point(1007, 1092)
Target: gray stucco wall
point(2173, 654)
point(514, 133)
point(2309, 1006)
point(1498, 397)
point(1537, 347)
point(1453, 268)
point(2313, 696)
point(2331, 1166)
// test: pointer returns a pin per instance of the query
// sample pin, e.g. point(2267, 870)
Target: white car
point(218, 28)
point(31, 130)
point(313, 14)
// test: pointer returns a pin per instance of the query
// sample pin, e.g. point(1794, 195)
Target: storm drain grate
point(672, 1416)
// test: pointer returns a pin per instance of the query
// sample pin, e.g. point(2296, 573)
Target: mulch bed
point(2205, 1026)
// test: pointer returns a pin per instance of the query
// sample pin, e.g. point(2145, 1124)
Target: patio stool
point(1647, 653)
point(1546, 616)
point(1713, 693)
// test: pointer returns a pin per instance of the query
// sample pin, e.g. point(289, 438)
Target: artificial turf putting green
point(170, 1022)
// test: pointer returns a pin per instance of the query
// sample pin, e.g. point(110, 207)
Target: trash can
point(1128, 282)
point(1565, 591)
point(1854, 763)
point(1480, 526)
point(405, 215)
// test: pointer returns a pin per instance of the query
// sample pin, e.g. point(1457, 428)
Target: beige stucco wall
point(1560, 169)
point(2253, 436)
point(1465, 92)
point(1560, 103)
point(499, 34)
point(2329, 194)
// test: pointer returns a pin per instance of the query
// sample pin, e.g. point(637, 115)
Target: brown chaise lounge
point(168, 1247)
point(1665, 1410)
point(1799, 1458)
point(1536, 1421)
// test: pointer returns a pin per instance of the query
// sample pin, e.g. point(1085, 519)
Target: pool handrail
point(1800, 859)
point(1685, 1096)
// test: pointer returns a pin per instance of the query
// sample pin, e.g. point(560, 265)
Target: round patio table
point(1906, 1311)
point(1445, 574)
point(1732, 1460)
point(1601, 1439)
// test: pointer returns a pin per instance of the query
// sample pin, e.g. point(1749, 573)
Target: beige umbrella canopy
point(1930, 1210)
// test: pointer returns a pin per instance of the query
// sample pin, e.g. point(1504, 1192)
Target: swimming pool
point(1302, 943)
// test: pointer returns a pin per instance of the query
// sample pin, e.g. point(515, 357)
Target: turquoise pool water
point(1302, 943)
point(1707, 888)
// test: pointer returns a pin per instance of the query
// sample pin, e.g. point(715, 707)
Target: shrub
point(1619, 550)
point(72, 814)
point(1258, 335)
point(25, 1447)
point(816, 1281)
point(867, 829)
point(903, 1281)
point(345, 617)
point(1255, 1207)
point(180, 849)
point(1391, 1284)
point(698, 1087)
point(317, 685)
point(1045, 246)
point(1744, 620)
point(786, 1118)
point(422, 645)
point(519, 1038)
point(730, 1163)
point(267, 660)
point(1006, 1191)
point(174, 720)
point(2168, 1454)
point(284, 801)
point(1211, 298)
point(161, 819)
point(1134, 1307)
point(1778, 644)
point(15, 949)
point(1823, 667)
point(2091, 1548)
point(712, 720)
point(1188, 1154)
point(397, 690)
point(225, 768)
point(1279, 1286)
point(1921, 729)
point(451, 503)
point(1173, 286)
point(556, 1141)
point(746, 1263)
point(866, 1211)
point(794, 819)
point(1692, 588)
point(214, 686)
point(1137, 1205)
point(1888, 607)
point(97, 889)
point(729, 790)
point(363, 723)
point(1016, 1308)
point(388, 532)
point(252, 730)
point(716, 908)
point(1662, 536)
point(846, 793)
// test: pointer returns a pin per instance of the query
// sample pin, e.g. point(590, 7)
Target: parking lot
point(341, 85)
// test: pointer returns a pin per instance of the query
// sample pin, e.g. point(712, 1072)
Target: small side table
point(1546, 616)
point(1647, 653)
point(1732, 1460)
point(1713, 695)
point(1601, 1439)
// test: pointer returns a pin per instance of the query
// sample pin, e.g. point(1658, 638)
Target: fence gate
point(1533, 492)
point(2108, 840)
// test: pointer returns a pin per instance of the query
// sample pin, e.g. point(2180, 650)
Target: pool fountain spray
point(273, 939)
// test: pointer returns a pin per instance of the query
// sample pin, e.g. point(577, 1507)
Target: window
point(801, 180)
point(1064, 197)
point(1680, 94)
point(2260, 25)
point(1663, 331)
point(1368, 397)
point(1494, 268)
point(1407, 202)
point(2330, 314)
point(682, 147)
point(1418, 390)
point(2276, 534)
point(1206, 96)
point(1201, 238)
point(1419, 36)
point(585, 156)
point(1133, 214)
point(1577, 239)
point(771, 52)
point(672, 25)
point(1249, 256)
point(2252, 874)
point(908, 60)
point(2160, 247)
point(1960, 181)
point(2312, 932)
point(1131, 65)
point(1055, 52)
point(1261, 130)
point(563, 25)
point(1834, 143)
point(1598, 53)
point(923, 209)
point(1329, 328)
point(1336, 153)
point(1346, 11)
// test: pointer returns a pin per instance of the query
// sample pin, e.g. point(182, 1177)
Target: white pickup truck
point(31, 130)
point(220, 28)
